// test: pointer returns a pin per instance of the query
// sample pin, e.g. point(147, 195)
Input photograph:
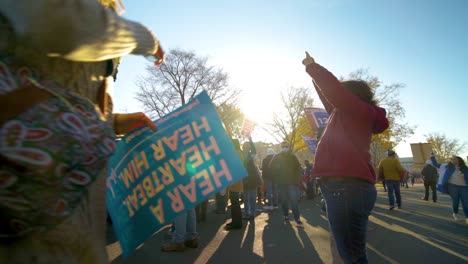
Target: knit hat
point(270, 152)
point(428, 162)
point(391, 152)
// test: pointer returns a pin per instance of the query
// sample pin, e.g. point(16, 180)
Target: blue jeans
point(458, 193)
point(271, 193)
point(349, 205)
point(290, 195)
point(250, 202)
point(185, 227)
point(393, 186)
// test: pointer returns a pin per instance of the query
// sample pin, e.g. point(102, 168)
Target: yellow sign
point(421, 153)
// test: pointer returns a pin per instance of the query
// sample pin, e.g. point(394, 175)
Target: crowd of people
point(57, 130)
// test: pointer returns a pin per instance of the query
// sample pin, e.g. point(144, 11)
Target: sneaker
point(455, 217)
point(193, 243)
point(391, 208)
point(399, 207)
point(173, 247)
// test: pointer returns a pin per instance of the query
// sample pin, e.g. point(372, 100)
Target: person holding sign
point(343, 161)
point(57, 61)
point(234, 190)
point(430, 175)
point(454, 181)
point(253, 180)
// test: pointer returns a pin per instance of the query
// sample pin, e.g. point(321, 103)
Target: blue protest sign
point(321, 118)
point(155, 176)
point(318, 118)
point(311, 143)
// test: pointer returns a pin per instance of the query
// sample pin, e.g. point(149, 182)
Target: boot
point(173, 247)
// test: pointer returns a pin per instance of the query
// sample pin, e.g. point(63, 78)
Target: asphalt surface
point(420, 232)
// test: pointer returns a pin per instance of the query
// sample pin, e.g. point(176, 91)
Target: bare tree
point(183, 75)
point(232, 118)
point(377, 153)
point(387, 96)
point(444, 147)
point(286, 123)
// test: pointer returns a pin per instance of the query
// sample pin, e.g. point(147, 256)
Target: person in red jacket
point(343, 159)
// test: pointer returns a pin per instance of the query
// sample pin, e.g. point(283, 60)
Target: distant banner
point(318, 118)
point(248, 127)
point(311, 143)
point(156, 176)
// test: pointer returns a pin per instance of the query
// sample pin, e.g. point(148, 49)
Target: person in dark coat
point(430, 176)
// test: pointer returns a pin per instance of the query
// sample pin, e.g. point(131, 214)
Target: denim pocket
point(366, 199)
point(333, 191)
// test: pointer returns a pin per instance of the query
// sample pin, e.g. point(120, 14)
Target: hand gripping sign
point(247, 127)
point(155, 176)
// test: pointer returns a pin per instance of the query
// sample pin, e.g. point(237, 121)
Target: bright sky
point(421, 43)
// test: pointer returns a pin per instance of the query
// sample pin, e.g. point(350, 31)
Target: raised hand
point(308, 59)
point(160, 57)
point(124, 123)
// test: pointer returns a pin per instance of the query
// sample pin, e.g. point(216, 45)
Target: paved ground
point(421, 232)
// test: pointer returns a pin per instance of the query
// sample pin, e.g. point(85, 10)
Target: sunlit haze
point(261, 44)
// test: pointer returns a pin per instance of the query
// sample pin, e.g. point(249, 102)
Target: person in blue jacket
point(454, 181)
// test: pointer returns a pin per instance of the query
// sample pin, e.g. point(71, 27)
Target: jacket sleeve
point(253, 150)
point(334, 91)
point(328, 106)
point(297, 164)
point(465, 174)
point(264, 165)
point(399, 167)
point(77, 30)
point(434, 162)
point(424, 171)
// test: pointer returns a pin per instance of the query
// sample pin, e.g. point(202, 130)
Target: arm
point(465, 174)
point(423, 171)
point(336, 94)
point(399, 167)
point(78, 30)
point(380, 170)
point(264, 165)
point(328, 107)
point(296, 164)
point(124, 123)
point(253, 150)
point(434, 162)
